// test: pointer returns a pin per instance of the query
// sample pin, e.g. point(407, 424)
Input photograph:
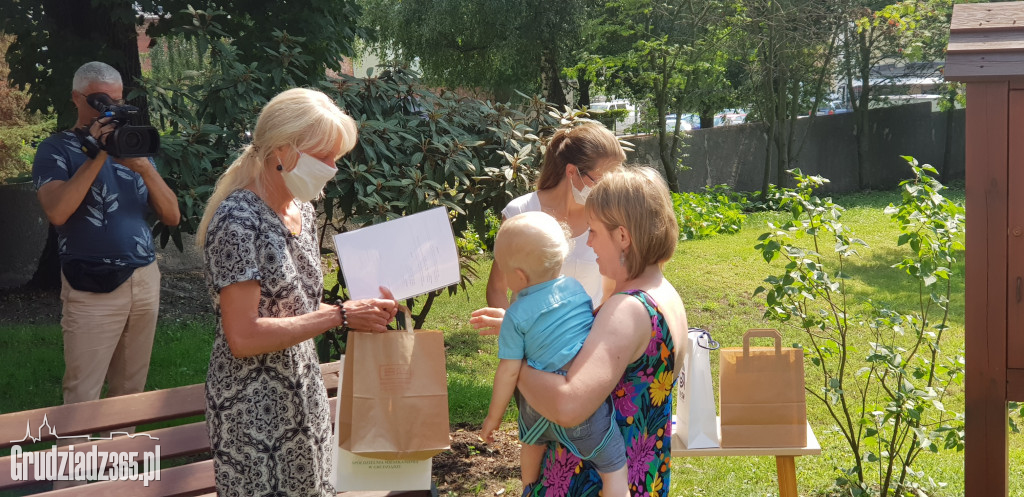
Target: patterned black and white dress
point(267, 415)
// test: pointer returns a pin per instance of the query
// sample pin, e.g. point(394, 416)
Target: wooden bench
point(176, 442)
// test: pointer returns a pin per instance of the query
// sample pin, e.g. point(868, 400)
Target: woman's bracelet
point(344, 315)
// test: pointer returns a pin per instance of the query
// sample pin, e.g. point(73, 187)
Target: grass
point(716, 278)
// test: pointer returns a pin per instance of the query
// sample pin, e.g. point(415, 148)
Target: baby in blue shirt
point(546, 326)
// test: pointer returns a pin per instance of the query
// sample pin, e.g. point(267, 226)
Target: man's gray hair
point(94, 72)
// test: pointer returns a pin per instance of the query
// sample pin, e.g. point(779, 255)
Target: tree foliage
point(790, 47)
point(54, 37)
point(882, 32)
point(669, 54)
point(499, 46)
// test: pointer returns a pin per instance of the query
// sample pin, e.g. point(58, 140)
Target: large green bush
point(18, 148)
point(418, 148)
point(19, 133)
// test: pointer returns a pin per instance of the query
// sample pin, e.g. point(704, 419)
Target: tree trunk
point(863, 126)
point(94, 33)
point(584, 98)
point(707, 120)
point(947, 149)
point(766, 178)
point(666, 149)
point(781, 141)
point(125, 38)
point(551, 78)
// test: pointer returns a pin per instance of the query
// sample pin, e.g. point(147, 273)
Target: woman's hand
point(371, 314)
point(487, 320)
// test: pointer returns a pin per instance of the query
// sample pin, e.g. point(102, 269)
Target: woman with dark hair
point(576, 159)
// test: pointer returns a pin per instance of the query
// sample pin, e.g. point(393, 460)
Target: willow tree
point(499, 46)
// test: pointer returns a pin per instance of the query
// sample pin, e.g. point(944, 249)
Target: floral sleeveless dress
point(643, 411)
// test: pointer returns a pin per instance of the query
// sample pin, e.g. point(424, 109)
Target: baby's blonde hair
point(534, 242)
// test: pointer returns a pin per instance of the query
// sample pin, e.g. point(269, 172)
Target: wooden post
point(986, 51)
point(785, 467)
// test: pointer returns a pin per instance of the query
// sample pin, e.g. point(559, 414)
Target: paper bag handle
point(407, 317)
point(766, 333)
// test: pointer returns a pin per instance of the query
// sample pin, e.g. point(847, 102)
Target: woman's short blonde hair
point(303, 118)
point(534, 242)
point(637, 198)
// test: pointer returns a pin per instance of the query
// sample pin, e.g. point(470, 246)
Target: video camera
point(126, 140)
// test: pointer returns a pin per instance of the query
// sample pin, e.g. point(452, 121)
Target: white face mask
point(308, 178)
point(580, 196)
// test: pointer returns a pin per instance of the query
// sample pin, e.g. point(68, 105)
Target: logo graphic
point(63, 463)
point(52, 431)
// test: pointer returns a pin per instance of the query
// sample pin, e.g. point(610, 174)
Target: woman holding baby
point(637, 340)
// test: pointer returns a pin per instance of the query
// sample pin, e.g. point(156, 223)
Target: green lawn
point(716, 278)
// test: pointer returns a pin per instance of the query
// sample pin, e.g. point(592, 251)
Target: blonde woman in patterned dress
point(266, 404)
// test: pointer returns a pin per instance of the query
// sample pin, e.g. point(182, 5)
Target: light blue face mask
point(306, 181)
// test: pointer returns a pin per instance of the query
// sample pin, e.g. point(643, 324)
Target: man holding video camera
point(99, 203)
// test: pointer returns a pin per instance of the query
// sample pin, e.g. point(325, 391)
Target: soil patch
point(472, 467)
point(183, 295)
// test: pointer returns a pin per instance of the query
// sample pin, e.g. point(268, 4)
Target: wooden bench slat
point(134, 410)
point(187, 480)
point(176, 441)
point(119, 412)
point(103, 414)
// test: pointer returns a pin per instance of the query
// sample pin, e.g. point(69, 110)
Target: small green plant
point(887, 403)
point(469, 243)
point(705, 214)
point(493, 223)
point(770, 200)
point(18, 148)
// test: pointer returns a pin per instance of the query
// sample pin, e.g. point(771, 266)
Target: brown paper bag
point(394, 395)
point(762, 394)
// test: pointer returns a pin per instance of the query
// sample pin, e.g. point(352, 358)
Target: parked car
point(731, 116)
point(690, 122)
point(832, 107)
point(612, 105)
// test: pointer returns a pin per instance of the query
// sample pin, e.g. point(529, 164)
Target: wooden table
point(785, 463)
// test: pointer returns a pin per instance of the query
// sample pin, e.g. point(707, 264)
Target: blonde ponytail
point(305, 119)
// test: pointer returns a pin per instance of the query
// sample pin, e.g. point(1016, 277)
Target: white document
point(410, 256)
point(357, 473)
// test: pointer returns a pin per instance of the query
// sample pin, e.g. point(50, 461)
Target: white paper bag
point(695, 405)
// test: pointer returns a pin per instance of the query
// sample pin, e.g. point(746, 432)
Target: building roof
point(986, 42)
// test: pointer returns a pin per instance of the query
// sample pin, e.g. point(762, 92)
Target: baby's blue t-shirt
point(547, 324)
